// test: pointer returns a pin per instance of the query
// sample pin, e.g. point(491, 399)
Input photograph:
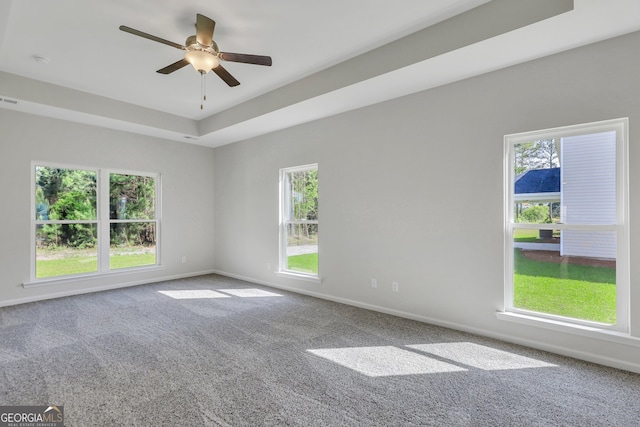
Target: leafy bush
point(73, 205)
point(538, 214)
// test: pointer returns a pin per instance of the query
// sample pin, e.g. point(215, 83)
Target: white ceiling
point(108, 70)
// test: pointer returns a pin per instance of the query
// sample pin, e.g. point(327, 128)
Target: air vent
point(10, 101)
point(190, 137)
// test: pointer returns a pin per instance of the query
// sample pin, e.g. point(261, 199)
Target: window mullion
point(562, 226)
point(301, 221)
point(66, 221)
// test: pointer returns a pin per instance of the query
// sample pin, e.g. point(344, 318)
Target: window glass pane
point(131, 197)
point(537, 181)
point(302, 248)
point(569, 273)
point(301, 192)
point(570, 180)
point(65, 194)
point(132, 244)
point(66, 249)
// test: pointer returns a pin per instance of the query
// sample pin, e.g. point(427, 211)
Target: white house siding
point(593, 244)
point(588, 196)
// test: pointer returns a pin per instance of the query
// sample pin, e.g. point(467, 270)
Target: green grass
point(526, 235)
point(132, 260)
point(81, 264)
point(581, 292)
point(306, 263)
point(66, 266)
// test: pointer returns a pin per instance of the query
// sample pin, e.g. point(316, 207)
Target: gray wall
point(411, 190)
point(187, 196)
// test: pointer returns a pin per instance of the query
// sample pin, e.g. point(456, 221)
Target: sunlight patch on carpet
point(384, 361)
point(194, 294)
point(480, 356)
point(249, 293)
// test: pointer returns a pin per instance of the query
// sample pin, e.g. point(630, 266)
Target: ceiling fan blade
point(204, 30)
point(173, 67)
point(247, 59)
point(224, 75)
point(150, 37)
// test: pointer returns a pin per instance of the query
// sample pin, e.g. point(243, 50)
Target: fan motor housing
point(192, 44)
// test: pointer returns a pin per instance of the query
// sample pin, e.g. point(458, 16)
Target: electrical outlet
point(269, 266)
point(374, 283)
point(184, 259)
point(394, 286)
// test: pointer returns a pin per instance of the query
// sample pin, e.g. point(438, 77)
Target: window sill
point(299, 276)
point(84, 277)
point(571, 328)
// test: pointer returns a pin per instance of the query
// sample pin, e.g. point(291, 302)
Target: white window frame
point(102, 220)
point(620, 126)
point(106, 225)
point(282, 269)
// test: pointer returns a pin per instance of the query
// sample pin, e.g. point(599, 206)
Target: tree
point(522, 160)
point(49, 183)
point(545, 154)
point(132, 197)
point(304, 197)
point(539, 154)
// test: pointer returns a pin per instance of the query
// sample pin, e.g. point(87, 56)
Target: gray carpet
point(212, 351)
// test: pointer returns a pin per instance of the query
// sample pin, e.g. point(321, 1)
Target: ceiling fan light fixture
point(201, 60)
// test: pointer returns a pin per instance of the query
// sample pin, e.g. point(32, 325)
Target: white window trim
point(511, 313)
point(102, 220)
point(310, 277)
point(290, 274)
point(82, 278)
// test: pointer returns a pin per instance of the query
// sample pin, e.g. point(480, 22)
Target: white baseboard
point(52, 295)
point(564, 351)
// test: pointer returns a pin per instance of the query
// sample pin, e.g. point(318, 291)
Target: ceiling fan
point(203, 53)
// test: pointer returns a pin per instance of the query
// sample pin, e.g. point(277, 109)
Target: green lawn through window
point(66, 266)
point(569, 290)
point(81, 264)
point(307, 263)
point(527, 235)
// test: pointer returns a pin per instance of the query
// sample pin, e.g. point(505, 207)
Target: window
point(132, 220)
point(66, 221)
point(566, 238)
point(299, 220)
point(92, 221)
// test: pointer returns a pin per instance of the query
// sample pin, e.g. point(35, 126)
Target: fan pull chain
point(203, 94)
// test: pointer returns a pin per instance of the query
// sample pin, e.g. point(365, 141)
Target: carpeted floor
point(214, 351)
